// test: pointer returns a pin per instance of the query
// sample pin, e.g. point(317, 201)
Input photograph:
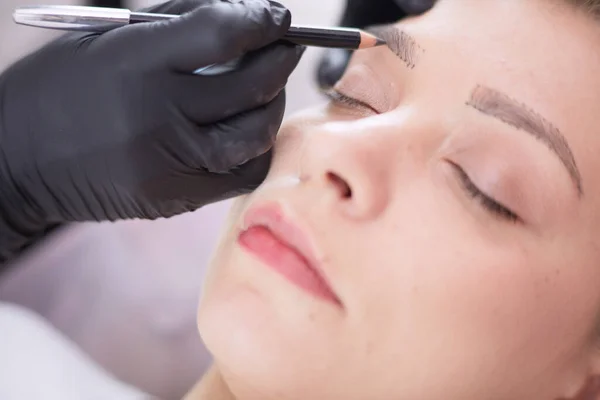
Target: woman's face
point(452, 207)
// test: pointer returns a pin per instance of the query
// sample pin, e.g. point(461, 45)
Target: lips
point(285, 248)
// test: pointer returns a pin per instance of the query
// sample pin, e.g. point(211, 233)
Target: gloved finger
point(237, 140)
point(186, 191)
point(256, 81)
point(250, 175)
point(415, 7)
point(332, 67)
point(244, 178)
point(216, 32)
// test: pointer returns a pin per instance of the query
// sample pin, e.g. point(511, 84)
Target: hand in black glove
point(361, 14)
point(116, 126)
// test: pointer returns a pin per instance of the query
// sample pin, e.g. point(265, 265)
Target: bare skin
point(211, 387)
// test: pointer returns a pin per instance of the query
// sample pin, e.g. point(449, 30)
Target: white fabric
point(37, 362)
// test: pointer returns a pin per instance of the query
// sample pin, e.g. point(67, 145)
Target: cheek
point(220, 253)
point(436, 288)
point(289, 145)
point(287, 151)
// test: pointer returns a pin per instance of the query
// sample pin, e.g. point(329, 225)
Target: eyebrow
point(500, 106)
point(401, 43)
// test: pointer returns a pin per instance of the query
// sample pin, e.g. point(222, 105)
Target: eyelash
point(340, 98)
point(487, 202)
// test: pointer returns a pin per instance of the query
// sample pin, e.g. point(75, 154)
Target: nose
point(351, 169)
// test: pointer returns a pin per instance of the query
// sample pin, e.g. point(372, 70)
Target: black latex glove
point(116, 126)
point(361, 14)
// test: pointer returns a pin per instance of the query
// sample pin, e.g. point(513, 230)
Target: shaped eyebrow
point(401, 43)
point(518, 115)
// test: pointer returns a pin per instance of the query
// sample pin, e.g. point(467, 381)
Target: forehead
point(553, 49)
point(541, 54)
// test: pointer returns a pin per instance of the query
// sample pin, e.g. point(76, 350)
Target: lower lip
point(283, 259)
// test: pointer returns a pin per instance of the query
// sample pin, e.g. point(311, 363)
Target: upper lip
point(273, 217)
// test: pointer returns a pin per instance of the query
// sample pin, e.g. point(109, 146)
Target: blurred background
point(124, 295)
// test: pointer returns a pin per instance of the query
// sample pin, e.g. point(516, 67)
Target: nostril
point(340, 184)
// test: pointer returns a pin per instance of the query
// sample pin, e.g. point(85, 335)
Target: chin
point(256, 326)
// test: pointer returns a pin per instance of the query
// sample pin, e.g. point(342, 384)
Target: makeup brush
point(101, 19)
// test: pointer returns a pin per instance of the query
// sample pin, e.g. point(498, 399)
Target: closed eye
point(486, 201)
point(342, 99)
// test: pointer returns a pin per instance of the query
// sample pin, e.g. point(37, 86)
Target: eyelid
point(489, 202)
point(371, 82)
point(338, 97)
